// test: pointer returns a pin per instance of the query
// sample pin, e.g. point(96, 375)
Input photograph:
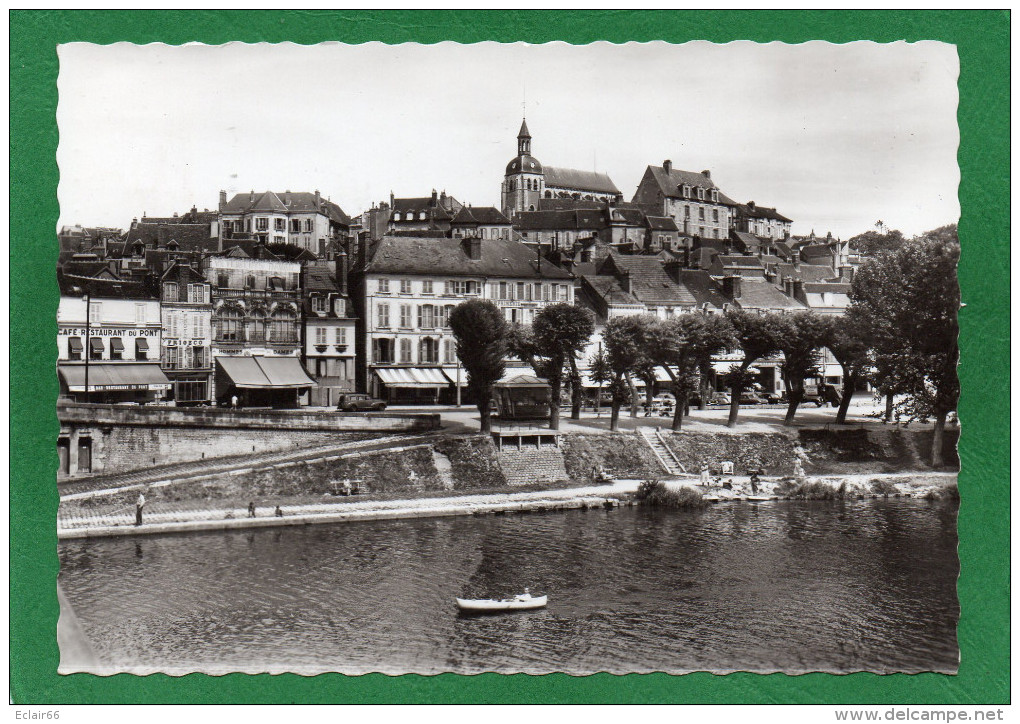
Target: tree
point(600, 373)
point(849, 341)
point(481, 334)
point(693, 340)
point(560, 333)
point(872, 243)
point(757, 335)
point(626, 342)
point(910, 298)
point(800, 337)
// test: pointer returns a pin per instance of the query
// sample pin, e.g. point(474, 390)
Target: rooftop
point(441, 256)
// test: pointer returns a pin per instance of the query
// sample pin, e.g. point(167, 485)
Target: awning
point(413, 377)
point(115, 376)
point(142, 344)
point(261, 373)
point(661, 375)
point(76, 345)
point(96, 345)
point(116, 344)
point(520, 379)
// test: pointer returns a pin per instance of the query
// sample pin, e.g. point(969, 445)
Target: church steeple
point(524, 139)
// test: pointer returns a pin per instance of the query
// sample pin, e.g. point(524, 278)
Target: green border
point(982, 39)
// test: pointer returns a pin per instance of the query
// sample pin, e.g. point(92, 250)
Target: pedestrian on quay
point(706, 475)
point(754, 482)
point(233, 402)
point(279, 512)
point(139, 504)
point(251, 509)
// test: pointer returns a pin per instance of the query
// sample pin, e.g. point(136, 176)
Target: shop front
point(113, 382)
point(411, 385)
point(277, 382)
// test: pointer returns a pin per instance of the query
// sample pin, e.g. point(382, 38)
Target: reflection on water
point(775, 587)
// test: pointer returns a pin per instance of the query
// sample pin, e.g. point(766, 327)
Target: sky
point(836, 137)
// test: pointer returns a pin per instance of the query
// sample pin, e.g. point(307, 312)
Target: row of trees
point(900, 333)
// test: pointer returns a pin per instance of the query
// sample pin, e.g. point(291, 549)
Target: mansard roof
point(442, 256)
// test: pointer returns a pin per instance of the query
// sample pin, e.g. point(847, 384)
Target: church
point(527, 183)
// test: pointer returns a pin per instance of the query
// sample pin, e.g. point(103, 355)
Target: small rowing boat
point(522, 602)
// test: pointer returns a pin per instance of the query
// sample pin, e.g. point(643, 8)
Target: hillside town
point(284, 299)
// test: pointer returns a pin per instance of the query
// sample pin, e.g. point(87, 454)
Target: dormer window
point(421, 216)
point(320, 304)
point(687, 191)
point(339, 308)
point(396, 216)
point(701, 194)
point(715, 195)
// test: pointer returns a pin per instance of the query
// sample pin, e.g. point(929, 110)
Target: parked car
point(714, 398)
point(750, 397)
point(357, 402)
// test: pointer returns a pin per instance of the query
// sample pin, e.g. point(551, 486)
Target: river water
point(780, 586)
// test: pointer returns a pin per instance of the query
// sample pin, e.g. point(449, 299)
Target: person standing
point(139, 505)
point(233, 402)
point(251, 509)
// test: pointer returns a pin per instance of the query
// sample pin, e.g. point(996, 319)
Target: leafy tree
point(910, 298)
point(718, 336)
point(692, 340)
point(872, 243)
point(481, 334)
point(849, 340)
point(559, 334)
point(626, 342)
point(600, 372)
point(757, 336)
point(801, 336)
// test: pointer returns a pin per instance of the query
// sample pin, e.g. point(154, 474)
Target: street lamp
point(88, 342)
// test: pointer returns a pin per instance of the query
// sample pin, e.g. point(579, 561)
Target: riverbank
point(212, 516)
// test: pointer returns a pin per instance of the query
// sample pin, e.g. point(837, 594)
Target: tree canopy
point(559, 334)
point(800, 338)
point(481, 334)
point(757, 335)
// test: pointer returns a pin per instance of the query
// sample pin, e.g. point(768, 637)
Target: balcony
point(255, 294)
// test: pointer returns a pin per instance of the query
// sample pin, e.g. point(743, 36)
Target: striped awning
point(413, 377)
point(262, 373)
point(114, 376)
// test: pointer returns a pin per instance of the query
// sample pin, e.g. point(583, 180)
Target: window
point(701, 213)
point(196, 293)
point(426, 316)
point(715, 215)
point(74, 348)
point(262, 224)
point(249, 281)
point(405, 350)
point(547, 292)
point(141, 349)
point(687, 192)
point(95, 312)
point(172, 358)
point(258, 327)
point(340, 307)
point(383, 315)
point(426, 286)
point(308, 224)
point(687, 211)
point(421, 216)
point(396, 216)
point(200, 357)
point(447, 311)
point(295, 225)
point(281, 224)
point(455, 286)
point(538, 291)
point(449, 352)
point(405, 286)
point(199, 330)
point(247, 224)
point(320, 304)
point(140, 316)
point(502, 290)
point(428, 351)
point(382, 351)
point(405, 316)
point(383, 286)
point(283, 326)
point(715, 195)
point(520, 290)
point(701, 194)
point(341, 335)
point(320, 335)
point(170, 292)
point(564, 293)
point(222, 280)
point(228, 326)
point(276, 283)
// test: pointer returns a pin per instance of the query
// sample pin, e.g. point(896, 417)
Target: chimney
point(251, 196)
point(846, 274)
point(667, 166)
point(391, 199)
point(750, 205)
point(731, 286)
point(435, 198)
point(788, 286)
point(625, 282)
point(318, 199)
point(175, 214)
point(223, 199)
point(341, 270)
point(363, 242)
point(798, 289)
point(473, 246)
point(706, 173)
point(770, 275)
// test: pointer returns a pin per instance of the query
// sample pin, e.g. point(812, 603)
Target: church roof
point(524, 133)
point(573, 178)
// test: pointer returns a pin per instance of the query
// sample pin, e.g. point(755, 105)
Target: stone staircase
point(653, 437)
point(532, 464)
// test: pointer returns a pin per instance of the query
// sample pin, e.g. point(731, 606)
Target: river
point(780, 586)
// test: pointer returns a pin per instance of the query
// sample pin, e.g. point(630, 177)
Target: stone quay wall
point(114, 439)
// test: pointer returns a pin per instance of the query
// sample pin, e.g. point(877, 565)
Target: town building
point(691, 199)
point(256, 323)
point(108, 341)
point(301, 218)
point(762, 221)
point(430, 214)
point(406, 287)
point(526, 181)
point(186, 318)
point(485, 222)
point(329, 330)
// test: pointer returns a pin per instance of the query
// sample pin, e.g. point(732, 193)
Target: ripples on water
point(789, 586)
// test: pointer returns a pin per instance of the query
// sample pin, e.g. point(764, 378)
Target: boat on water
point(521, 602)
